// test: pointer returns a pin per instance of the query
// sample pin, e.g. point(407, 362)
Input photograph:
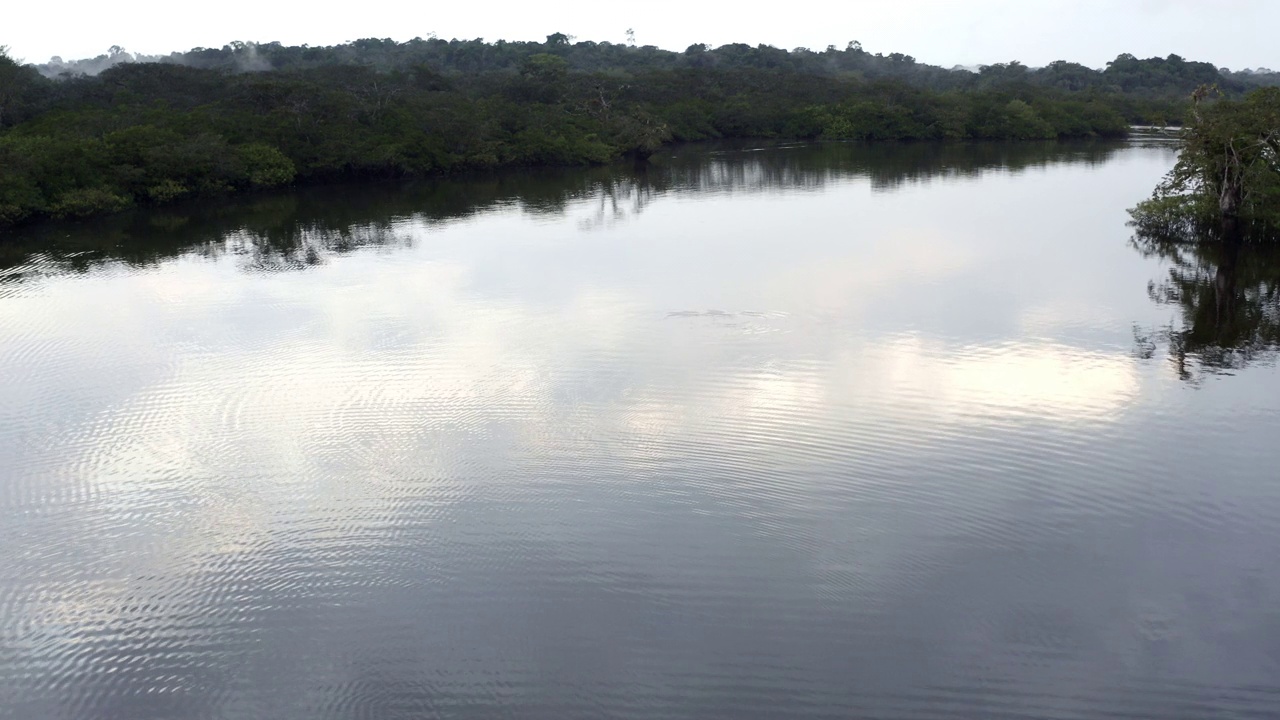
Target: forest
point(101, 135)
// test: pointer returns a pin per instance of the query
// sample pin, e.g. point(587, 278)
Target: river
point(819, 431)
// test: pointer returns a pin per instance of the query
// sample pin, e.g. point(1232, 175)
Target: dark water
point(892, 432)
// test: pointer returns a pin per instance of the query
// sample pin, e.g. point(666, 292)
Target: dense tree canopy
point(1227, 180)
point(95, 136)
point(1151, 76)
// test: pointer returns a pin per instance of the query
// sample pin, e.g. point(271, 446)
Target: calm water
point(893, 432)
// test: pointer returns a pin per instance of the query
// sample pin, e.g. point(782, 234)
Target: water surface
point(803, 431)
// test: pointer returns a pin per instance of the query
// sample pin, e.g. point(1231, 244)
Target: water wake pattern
point(818, 454)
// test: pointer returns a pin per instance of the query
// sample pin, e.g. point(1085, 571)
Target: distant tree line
point(1153, 77)
point(96, 136)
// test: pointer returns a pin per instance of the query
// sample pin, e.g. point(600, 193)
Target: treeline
point(1152, 77)
point(255, 116)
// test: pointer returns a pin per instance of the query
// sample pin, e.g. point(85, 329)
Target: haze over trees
point(86, 137)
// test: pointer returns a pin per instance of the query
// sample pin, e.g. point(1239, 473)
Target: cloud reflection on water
point(818, 419)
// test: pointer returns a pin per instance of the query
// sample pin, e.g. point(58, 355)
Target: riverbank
point(41, 179)
point(339, 210)
point(147, 134)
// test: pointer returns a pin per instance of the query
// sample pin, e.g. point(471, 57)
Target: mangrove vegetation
point(98, 136)
point(1226, 184)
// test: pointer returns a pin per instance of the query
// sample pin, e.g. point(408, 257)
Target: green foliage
point(1228, 172)
point(1165, 79)
point(167, 191)
point(1175, 217)
point(545, 68)
point(246, 116)
point(1160, 75)
point(82, 202)
point(21, 90)
point(264, 166)
point(976, 115)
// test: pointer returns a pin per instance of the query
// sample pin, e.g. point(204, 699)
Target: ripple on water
point(467, 476)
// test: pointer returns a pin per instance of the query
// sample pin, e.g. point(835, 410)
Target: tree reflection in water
point(295, 230)
point(1228, 297)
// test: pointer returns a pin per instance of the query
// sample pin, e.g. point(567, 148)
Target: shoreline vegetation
point(99, 136)
point(297, 227)
point(1226, 184)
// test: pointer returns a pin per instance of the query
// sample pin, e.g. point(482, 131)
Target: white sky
point(1231, 33)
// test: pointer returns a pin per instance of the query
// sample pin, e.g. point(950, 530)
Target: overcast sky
point(1231, 33)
